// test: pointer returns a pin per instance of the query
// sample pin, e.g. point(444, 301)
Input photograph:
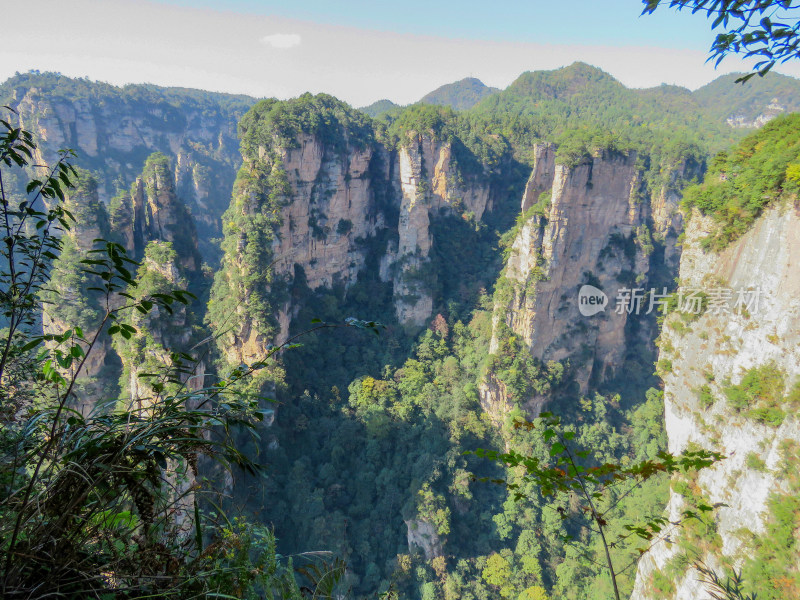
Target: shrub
point(705, 396)
point(760, 394)
point(755, 462)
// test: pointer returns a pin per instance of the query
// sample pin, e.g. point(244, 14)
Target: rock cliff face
point(727, 377)
point(150, 214)
point(422, 535)
point(772, 110)
point(585, 224)
point(430, 184)
point(330, 207)
point(331, 204)
point(66, 301)
point(114, 129)
point(158, 333)
point(152, 211)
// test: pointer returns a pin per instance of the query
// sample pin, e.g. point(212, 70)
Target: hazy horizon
point(244, 50)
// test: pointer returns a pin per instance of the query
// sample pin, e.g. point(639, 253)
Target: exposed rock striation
point(582, 225)
point(705, 361)
point(318, 203)
point(152, 211)
point(113, 130)
point(430, 185)
point(595, 222)
point(150, 214)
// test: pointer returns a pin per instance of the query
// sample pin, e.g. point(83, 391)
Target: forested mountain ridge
point(593, 96)
point(459, 95)
point(469, 235)
point(748, 101)
point(543, 103)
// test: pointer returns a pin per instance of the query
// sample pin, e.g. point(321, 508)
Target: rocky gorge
point(471, 243)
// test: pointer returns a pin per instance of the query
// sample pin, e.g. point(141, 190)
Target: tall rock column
point(580, 231)
point(431, 182)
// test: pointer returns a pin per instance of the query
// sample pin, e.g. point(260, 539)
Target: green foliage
point(378, 108)
point(730, 588)
point(755, 462)
point(476, 150)
point(459, 95)
point(771, 571)
point(331, 121)
point(705, 396)
point(344, 226)
point(582, 103)
point(246, 278)
point(567, 471)
point(97, 502)
point(648, 435)
point(754, 28)
point(662, 584)
point(497, 573)
point(577, 145)
point(725, 97)
point(663, 367)
point(742, 182)
point(760, 394)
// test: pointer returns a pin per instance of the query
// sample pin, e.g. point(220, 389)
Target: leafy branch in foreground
point(569, 472)
point(767, 30)
point(728, 589)
point(106, 504)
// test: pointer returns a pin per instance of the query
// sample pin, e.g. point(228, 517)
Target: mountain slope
point(747, 104)
point(544, 103)
point(460, 95)
point(378, 108)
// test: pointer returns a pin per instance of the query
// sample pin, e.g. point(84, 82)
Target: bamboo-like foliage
point(106, 503)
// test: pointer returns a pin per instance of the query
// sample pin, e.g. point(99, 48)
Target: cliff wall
point(584, 224)
point(317, 205)
point(749, 335)
point(113, 130)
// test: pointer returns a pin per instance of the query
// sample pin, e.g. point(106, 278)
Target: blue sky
point(358, 51)
point(589, 22)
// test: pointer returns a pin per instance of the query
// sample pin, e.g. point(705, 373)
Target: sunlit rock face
point(584, 224)
point(716, 352)
point(336, 201)
point(430, 182)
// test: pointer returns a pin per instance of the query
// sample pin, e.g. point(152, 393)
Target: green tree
point(570, 473)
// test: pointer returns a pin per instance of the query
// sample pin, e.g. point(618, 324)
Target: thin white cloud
point(282, 40)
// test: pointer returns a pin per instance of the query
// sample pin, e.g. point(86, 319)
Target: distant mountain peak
point(379, 107)
point(460, 95)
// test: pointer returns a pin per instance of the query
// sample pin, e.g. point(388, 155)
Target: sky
point(357, 50)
